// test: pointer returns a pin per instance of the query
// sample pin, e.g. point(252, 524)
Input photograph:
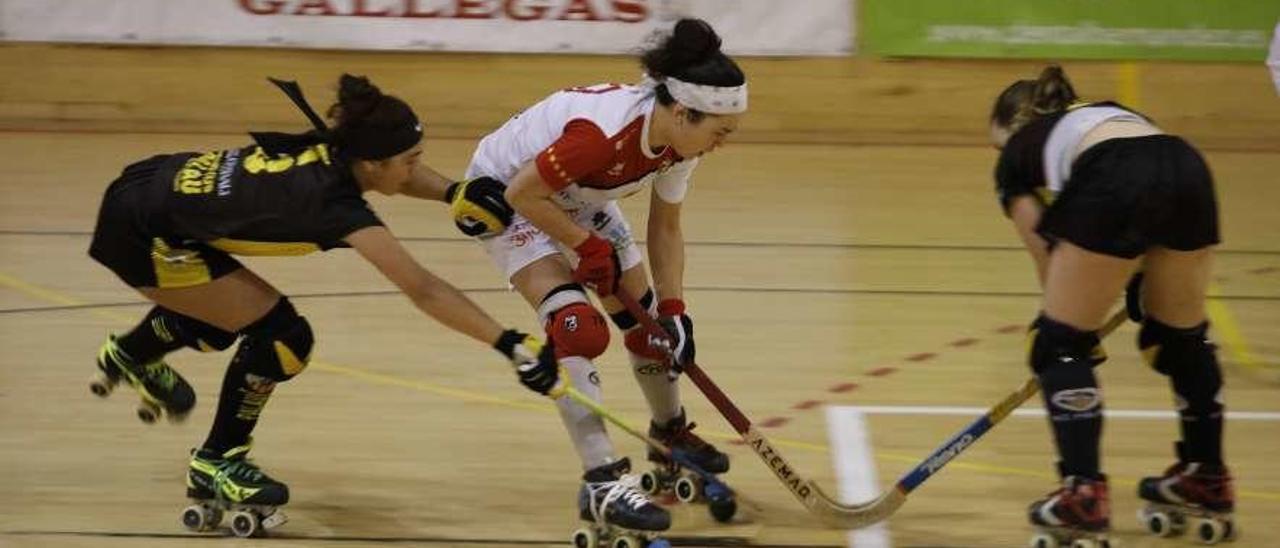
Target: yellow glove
point(478, 207)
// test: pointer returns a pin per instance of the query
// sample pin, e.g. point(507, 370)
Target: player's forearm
point(449, 306)
point(666, 255)
point(427, 184)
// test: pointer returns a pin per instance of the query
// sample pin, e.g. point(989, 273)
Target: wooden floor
point(812, 268)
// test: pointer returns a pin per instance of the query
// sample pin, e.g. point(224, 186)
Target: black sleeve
point(1018, 171)
point(342, 217)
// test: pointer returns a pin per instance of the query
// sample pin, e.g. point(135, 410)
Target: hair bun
point(694, 39)
point(357, 95)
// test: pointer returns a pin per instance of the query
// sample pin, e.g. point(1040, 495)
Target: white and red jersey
point(589, 144)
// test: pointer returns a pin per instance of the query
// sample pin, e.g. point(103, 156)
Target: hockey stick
point(805, 490)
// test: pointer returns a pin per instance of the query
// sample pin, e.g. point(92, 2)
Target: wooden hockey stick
point(805, 490)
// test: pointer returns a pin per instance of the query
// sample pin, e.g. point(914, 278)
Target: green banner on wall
point(1204, 30)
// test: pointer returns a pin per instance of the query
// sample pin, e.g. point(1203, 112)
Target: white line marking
point(855, 469)
point(1114, 413)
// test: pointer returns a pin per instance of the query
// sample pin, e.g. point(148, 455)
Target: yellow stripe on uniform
point(248, 247)
point(177, 267)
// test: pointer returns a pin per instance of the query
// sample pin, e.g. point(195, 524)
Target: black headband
point(370, 142)
point(363, 141)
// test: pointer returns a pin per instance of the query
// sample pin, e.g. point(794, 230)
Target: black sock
point(242, 398)
point(154, 337)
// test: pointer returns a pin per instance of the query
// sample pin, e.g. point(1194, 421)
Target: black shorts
point(125, 241)
point(1128, 195)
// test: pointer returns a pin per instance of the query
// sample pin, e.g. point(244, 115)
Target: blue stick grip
point(949, 450)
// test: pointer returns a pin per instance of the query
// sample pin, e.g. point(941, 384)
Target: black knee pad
point(1051, 342)
point(623, 318)
point(188, 331)
point(278, 345)
point(1189, 360)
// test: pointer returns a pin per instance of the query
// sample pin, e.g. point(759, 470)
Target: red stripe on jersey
point(585, 155)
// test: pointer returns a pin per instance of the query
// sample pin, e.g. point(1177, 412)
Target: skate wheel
point(1158, 523)
point(148, 412)
point(200, 518)
point(626, 541)
point(1211, 531)
point(585, 538)
point(101, 386)
point(722, 509)
point(688, 489)
point(245, 524)
point(650, 483)
point(1232, 530)
point(1042, 540)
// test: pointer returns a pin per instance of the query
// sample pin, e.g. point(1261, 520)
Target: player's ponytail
point(1026, 100)
point(690, 53)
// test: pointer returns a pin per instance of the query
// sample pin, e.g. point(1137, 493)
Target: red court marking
point(843, 387)
point(881, 371)
point(774, 422)
point(1009, 329)
point(921, 357)
point(737, 441)
point(961, 343)
point(1264, 270)
point(807, 404)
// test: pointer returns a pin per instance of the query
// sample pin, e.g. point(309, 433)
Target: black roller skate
point(163, 390)
point(689, 471)
point(1200, 491)
point(1076, 515)
point(619, 515)
point(231, 483)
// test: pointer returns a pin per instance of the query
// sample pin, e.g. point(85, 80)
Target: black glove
point(478, 206)
point(1133, 298)
point(679, 328)
point(534, 361)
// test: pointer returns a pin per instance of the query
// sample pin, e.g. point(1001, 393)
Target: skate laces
point(626, 488)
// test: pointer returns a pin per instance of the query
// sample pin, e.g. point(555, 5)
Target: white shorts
point(522, 243)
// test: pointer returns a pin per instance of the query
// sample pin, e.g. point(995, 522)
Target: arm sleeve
point(1013, 178)
point(673, 183)
point(344, 217)
point(581, 150)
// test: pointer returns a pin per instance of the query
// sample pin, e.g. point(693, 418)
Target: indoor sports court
point(856, 290)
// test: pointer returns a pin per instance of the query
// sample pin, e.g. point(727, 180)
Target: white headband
point(708, 99)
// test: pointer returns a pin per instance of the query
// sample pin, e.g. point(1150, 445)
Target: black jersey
point(247, 202)
point(1020, 169)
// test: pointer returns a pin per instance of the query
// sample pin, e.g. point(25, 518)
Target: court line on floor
point(81, 305)
point(855, 470)
point(713, 541)
point(712, 243)
point(45, 293)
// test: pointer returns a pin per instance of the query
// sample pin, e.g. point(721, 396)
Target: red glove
point(598, 265)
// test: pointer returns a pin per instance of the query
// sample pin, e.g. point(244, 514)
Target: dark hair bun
point(693, 41)
point(357, 96)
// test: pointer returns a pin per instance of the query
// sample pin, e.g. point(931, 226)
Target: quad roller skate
point(230, 483)
point(1195, 494)
point(689, 471)
point(162, 390)
point(618, 514)
point(1076, 515)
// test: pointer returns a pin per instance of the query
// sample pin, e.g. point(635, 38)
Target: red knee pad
point(637, 341)
point(578, 330)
